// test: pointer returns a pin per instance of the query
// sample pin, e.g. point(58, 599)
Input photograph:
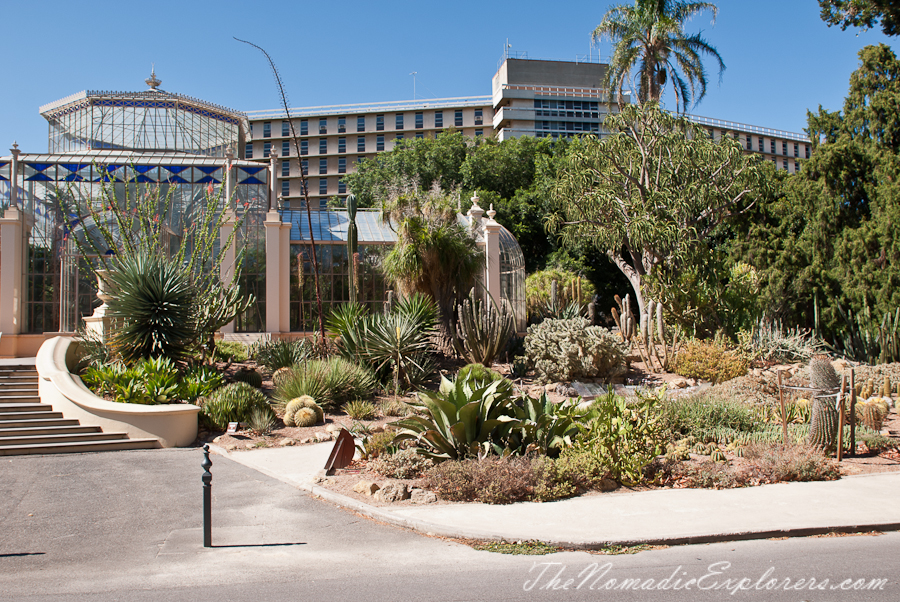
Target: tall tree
point(652, 191)
point(650, 36)
point(862, 13)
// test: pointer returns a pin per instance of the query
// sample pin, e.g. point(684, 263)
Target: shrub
point(710, 360)
point(199, 382)
point(261, 420)
point(394, 407)
point(152, 305)
point(537, 292)
point(778, 462)
point(233, 351)
point(233, 403)
point(360, 409)
point(771, 343)
point(374, 445)
point(281, 353)
point(330, 382)
point(478, 372)
point(405, 464)
point(623, 436)
point(561, 350)
point(150, 381)
point(249, 376)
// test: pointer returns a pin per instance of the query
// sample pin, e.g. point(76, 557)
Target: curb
point(435, 529)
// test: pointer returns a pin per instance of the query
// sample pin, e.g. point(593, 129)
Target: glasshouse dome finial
point(153, 81)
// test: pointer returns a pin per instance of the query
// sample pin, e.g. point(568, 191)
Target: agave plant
point(548, 427)
point(464, 419)
point(152, 304)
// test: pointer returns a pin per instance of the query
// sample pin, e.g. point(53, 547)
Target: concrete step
point(60, 438)
point(18, 378)
point(42, 422)
point(77, 447)
point(11, 407)
point(7, 392)
point(47, 430)
point(19, 416)
point(20, 399)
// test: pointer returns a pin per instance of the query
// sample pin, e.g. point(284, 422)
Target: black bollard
point(207, 498)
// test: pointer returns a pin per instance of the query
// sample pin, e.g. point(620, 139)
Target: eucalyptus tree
point(650, 37)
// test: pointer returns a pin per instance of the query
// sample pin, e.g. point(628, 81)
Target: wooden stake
point(783, 411)
point(840, 407)
point(852, 413)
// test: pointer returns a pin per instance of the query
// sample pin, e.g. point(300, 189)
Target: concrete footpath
point(672, 516)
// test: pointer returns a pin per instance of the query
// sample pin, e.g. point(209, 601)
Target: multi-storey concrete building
point(529, 98)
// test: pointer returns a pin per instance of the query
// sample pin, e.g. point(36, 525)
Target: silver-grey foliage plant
point(561, 350)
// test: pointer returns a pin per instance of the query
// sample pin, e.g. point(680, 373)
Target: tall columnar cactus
point(886, 387)
point(483, 329)
point(823, 423)
point(352, 245)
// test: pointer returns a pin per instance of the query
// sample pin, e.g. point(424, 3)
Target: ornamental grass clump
point(710, 360)
point(331, 382)
point(234, 403)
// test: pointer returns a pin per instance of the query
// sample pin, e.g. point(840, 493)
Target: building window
point(772, 147)
point(323, 186)
point(360, 124)
point(479, 132)
point(796, 166)
point(420, 121)
point(342, 165)
point(762, 146)
point(323, 125)
point(420, 136)
point(342, 145)
point(304, 147)
point(379, 123)
point(749, 143)
point(285, 188)
point(379, 143)
point(248, 151)
point(785, 163)
point(342, 187)
point(267, 149)
point(323, 166)
point(251, 129)
point(438, 119)
point(304, 127)
point(304, 165)
point(342, 125)
point(399, 121)
point(479, 117)
point(285, 128)
point(398, 137)
point(267, 129)
point(796, 150)
point(285, 148)
point(323, 146)
point(285, 169)
point(784, 148)
point(457, 119)
point(360, 144)
point(807, 151)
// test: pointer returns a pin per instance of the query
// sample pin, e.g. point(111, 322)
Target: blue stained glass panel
point(252, 180)
point(251, 170)
point(208, 169)
point(176, 168)
point(208, 179)
point(176, 180)
point(38, 177)
point(39, 166)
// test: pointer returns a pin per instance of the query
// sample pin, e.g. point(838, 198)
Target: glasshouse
point(113, 147)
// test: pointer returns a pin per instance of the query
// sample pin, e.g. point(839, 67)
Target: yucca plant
point(397, 343)
point(343, 324)
point(152, 305)
point(461, 420)
point(483, 329)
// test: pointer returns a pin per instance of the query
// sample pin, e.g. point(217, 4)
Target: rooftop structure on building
point(529, 97)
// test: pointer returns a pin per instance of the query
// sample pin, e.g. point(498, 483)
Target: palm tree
point(650, 35)
point(433, 255)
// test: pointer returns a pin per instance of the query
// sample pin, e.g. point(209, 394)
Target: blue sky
point(781, 58)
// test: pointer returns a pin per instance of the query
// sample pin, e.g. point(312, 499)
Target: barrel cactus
point(718, 456)
point(294, 406)
point(823, 422)
point(305, 417)
point(871, 414)
point(249, 376)
point(280, 375)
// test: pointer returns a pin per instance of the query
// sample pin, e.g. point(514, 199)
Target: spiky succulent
point(305, 417)
point(249, 376)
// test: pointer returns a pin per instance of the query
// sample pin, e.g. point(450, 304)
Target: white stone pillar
point(492, 255)
point(12, 290)
point(226, 274)
point(273, 272)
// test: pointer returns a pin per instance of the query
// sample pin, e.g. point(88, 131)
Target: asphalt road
point(126, 526)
